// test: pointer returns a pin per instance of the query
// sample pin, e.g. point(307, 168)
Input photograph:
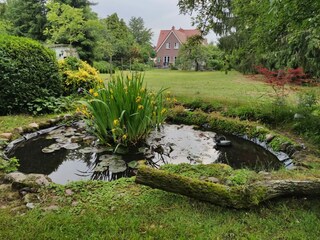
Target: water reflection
point(174, 144)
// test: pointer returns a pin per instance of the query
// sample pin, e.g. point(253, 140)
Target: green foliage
point(241, 177)
point(77, 75)
point(27, 18)
point(192, 54)
point(65, 23)
point(28, 71)
point(5, 27)
point(141, 34)
point(103, 67)
point(124, 112)
point(51, 105)
point(10, 165)
point(277, 34)
point(140, 67)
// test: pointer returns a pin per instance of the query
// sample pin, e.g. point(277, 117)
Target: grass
point(233, 88)
point(8, 123)
point(124, 210)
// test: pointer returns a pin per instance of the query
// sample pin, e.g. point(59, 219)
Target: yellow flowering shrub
point(78, 76)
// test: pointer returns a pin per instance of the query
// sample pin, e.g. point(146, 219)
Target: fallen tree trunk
point(243, 196)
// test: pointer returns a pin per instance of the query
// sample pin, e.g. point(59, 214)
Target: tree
point(141, 34)
point(28, 17)
point(277, 34)
point(65, 23)
point(192, 53)
point(120, 38)
point(210, 14)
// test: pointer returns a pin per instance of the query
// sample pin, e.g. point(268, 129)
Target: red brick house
point(169, 43)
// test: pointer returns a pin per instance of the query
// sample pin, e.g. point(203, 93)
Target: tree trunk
point(231, 196)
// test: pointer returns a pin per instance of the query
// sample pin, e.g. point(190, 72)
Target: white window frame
point(176, 45)
point(168, 45)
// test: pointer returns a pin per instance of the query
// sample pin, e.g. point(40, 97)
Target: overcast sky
point(157, 14)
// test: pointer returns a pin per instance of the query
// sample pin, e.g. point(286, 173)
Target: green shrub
point(77, 74)
point(104, 67)
point(124, 112)
point(136, 66)
point(28, 71)
point(51, 105)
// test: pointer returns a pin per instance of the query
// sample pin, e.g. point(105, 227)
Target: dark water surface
point(173, 144)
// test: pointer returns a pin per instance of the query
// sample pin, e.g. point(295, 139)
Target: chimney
point(173, 28)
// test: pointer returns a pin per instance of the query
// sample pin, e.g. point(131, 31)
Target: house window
point(159, 59)
point(167, 45)
point(176, 45)
point(175, 59)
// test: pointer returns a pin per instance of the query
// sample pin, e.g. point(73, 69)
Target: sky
point(157, 14)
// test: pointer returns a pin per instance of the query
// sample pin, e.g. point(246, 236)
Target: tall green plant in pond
point(124, 111)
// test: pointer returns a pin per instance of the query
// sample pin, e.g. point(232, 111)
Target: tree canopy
point(277, 34)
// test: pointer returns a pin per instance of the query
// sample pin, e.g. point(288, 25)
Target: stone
point(39, 179)
point(213, 180)
point(269, 137)
point(20, 180)
point(30, 198)
point(67, 117)
point(6, 136)
point(30, 205)
point(69, 192)
point(18, 130)
point(298, 116)
point(53, 121)
point(284, 146)
point(44, 124)
point(15, 177)
point(34, 125)
point(51, 208)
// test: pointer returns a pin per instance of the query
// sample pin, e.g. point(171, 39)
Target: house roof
point(181, 34)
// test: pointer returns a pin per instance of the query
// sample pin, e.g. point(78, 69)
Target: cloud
point(157, 14)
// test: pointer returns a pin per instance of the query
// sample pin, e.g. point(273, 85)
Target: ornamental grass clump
point(123, 112)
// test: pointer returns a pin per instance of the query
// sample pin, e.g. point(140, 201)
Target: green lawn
point(124, 210)
point(232, 88)
point(8, 123)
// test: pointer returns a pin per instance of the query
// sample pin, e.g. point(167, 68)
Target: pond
point(69, 153)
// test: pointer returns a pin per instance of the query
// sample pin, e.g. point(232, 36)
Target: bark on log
point(231, 196)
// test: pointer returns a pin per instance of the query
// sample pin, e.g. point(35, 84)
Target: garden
point(107, 147)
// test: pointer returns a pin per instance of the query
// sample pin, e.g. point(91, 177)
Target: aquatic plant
point(124, 111)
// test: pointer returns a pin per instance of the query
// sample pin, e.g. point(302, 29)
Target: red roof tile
point(182, 34)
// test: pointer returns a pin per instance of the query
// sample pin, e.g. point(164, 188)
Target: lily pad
point(122, 150)
point(71, 146)
point(62, 140)
point(47, 150)
point(87, 150)
point(100, 168)
point(117, 166)
point(133, 164)
point(103, 149)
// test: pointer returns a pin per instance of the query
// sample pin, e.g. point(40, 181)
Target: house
point(63, 51)
point(169, 43)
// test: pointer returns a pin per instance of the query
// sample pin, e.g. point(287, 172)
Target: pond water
point(71, 154)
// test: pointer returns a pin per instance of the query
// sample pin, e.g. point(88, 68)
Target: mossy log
point(243, 196)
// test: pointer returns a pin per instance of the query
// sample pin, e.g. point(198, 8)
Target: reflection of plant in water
point(124, 112)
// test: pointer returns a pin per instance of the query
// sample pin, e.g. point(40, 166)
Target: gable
point(171, 33)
